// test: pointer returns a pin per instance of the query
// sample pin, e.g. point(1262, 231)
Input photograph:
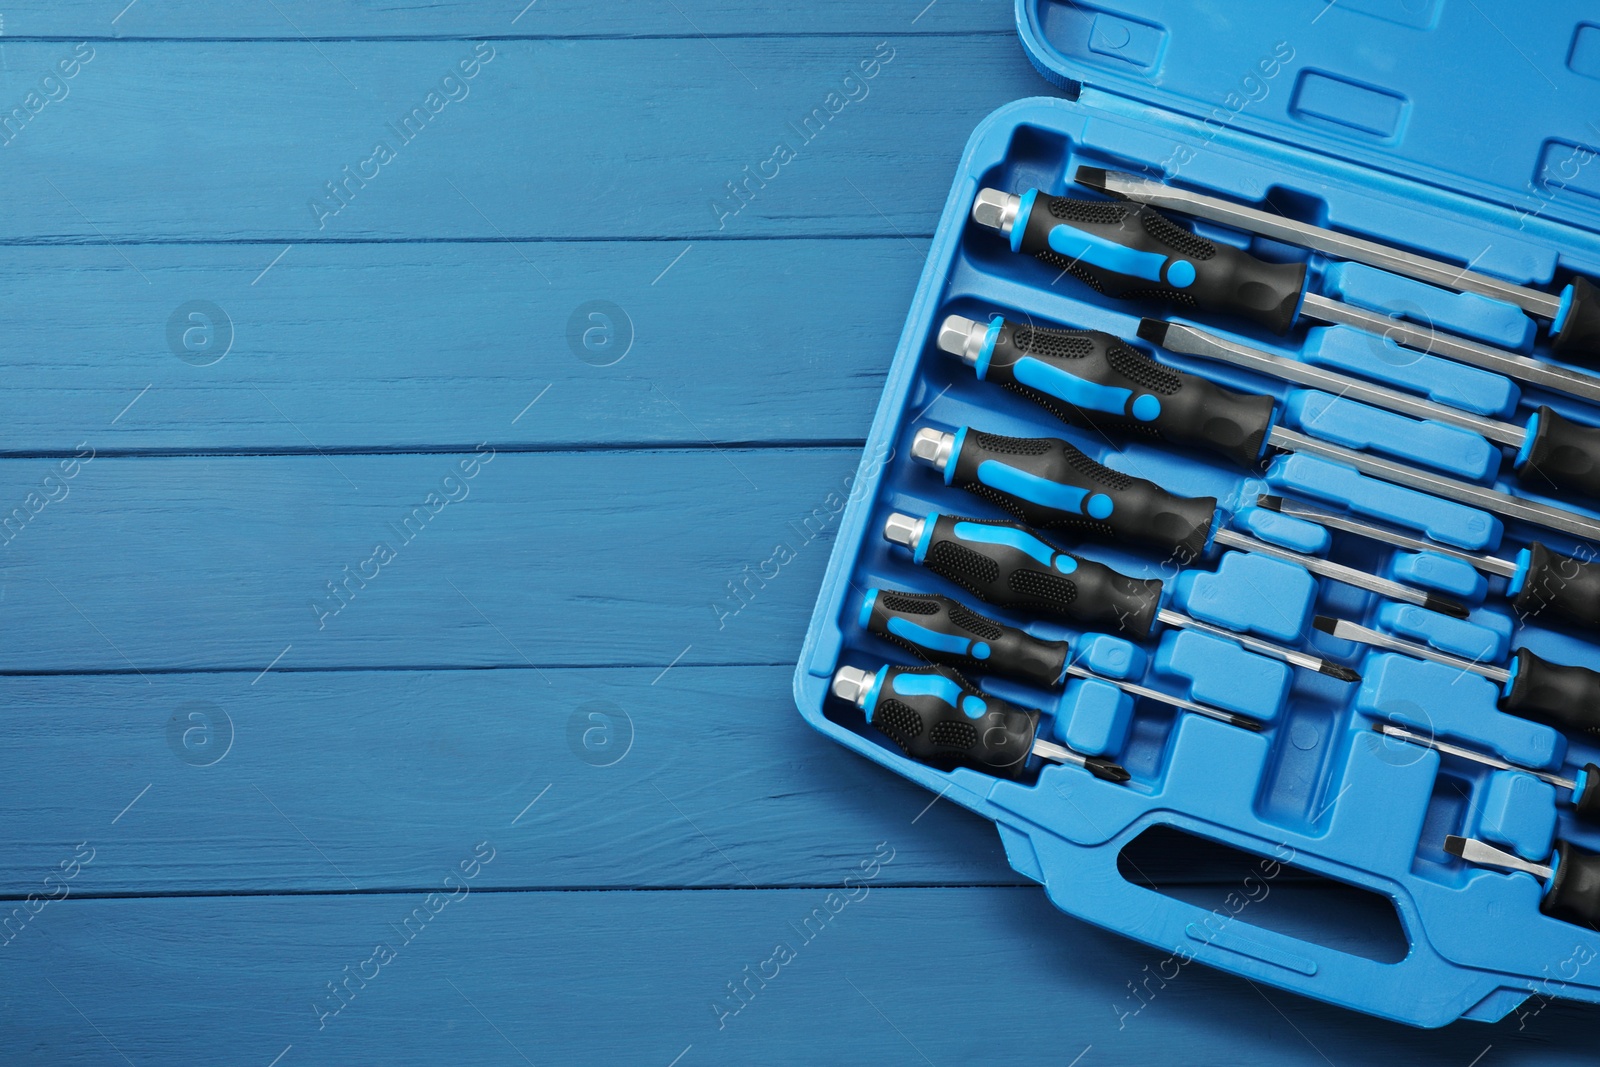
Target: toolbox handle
point(1422, 989)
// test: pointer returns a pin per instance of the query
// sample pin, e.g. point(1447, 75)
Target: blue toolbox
point(1233, 496)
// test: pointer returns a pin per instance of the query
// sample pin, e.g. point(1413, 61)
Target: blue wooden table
point(423, 431)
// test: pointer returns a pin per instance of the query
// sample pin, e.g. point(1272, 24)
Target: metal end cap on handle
point(903, 529)
point(964, 337)
point(996, 210)
point(933, 447)
point(851, 684)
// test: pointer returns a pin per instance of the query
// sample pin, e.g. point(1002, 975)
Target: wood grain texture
point(903, 976)
point(447, 702)
point(344, 780)
point(291, 19)
point(667, 124)
point(586, 558)
point(423, 346)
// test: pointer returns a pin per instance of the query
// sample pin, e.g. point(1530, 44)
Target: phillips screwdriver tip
point(1106, 770)
point(1091, 177)
point(1153, 330)
point(1244, 722)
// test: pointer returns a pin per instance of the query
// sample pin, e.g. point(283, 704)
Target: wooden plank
point(518, 154)
point(914, 976)
point(418, 346)
point(342, 780)
point(292, 19)
point(597, 558)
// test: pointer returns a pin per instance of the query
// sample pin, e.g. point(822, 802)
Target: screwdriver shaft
point(1323, 309)
point(1190, 340)
point(1059, 753)
point(1345, 246)
point(1338, 572)
point(1400, 733)
point(1137, 690)
point(1503, 568)
point(1477, 496)
point(1349, 631)
point(1291, 656)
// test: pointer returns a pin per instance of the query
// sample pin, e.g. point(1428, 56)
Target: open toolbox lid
point(1500, 104)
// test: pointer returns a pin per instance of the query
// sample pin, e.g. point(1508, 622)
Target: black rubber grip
point(1086, 238)
point(1563, 454)
point(1574, 893)
point(1089, 378)
point(1586, 803)
point(1564, 586)
point(944, 630)
point(937, 717)
point(1579, 339)
point(1050, 485)
point(1558, 695)
point(1008, 565)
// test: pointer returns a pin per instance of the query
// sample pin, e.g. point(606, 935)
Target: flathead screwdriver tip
point(1153, 330)
point(1269, 502)
point(1326, 624)
point(1091, 177)
point(1456, 846)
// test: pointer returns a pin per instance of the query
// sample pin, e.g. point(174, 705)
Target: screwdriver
point(1134, 252)
point(1087, 377)
point(937, 717)
point(1049, 484)
point(1009, 566)
point(946, 631)
point(1551, 448)
point(1583, 792)
point(1540, 578)
point(1566, 697)
point(1571, 878)
point(1574, 315)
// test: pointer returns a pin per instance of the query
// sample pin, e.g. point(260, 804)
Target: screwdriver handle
point(1586, 794)
point(1566, 697)
point(1090, 378)
point(1009, 566)
point(1574, 893)
point(1565, 586)
point(1563, 453)
point(937, 717)
point(1135, 252)
point(946, 631)
point(1575, 331)
point(1050, 485)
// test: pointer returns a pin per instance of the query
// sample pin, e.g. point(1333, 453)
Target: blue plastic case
point(1369, 116)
